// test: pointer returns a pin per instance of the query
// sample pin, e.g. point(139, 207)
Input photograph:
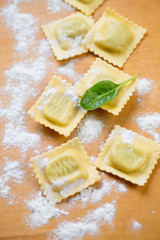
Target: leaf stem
point(130, 79)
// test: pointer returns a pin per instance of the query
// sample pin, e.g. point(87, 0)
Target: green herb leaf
point(101, 93)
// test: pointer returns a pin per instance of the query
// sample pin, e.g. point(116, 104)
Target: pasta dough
point(86, 6)
point(65, 168)
point(128, 155)
point(71, 32)
point(64, 171)
point(66, 35)
point(114, 37)
point(58, 107)
point(99, 71)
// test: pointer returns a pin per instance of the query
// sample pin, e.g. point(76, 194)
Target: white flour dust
point(12, 171)
point(150, 123)
point(89, 129)
point(23, 25)
point(55, 6)
point(136, 225)
point(94, 195)
point(144, 86)
point(42, 211)
point(87, 225)
point(22, 78)
point(68, 69)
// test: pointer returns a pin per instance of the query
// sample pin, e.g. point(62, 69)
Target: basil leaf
point(101, 93)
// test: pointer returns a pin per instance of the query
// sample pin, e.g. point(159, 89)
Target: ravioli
point(58, 107)
point(66, 35)
point(86, 6)
point(101, 70)
point(114, 38)
point(64, 171)
point(86, 1)
point(71, 32)
point(128, 155)
point(65, 168)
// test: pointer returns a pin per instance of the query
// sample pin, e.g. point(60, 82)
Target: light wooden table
point(139, 202)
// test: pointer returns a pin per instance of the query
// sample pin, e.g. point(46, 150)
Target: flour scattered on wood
point(68, 70)
point(150, 123)
point(22, 77)
point(21, 1)
point(122, 188)
point(96, 194)
point(23, 25)
point(42, 211)
point(136, 225)
point(89, 129)
point(87, 225)
point(17, 136)
point(10, 171)
point(144, 86)
point(55, 6)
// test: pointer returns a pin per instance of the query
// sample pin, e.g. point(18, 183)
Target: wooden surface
point(139, 202)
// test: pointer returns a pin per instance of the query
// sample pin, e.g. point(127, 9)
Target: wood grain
point(139, 202)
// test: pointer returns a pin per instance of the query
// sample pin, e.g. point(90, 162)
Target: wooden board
point(139, 202)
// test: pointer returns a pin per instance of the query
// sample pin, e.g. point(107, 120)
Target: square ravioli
point(128, 155)
point(101, 70)
point(65, 35)
point(114, 38)
point(86, 6)
point(58, 107)
point(64, 171)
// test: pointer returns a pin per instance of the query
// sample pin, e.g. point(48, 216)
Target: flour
point(86, 225)
point(74, 230)
point(105, 213)
point(42, 211)
point(69, 187)
point(150, 123)
point(127, 135)
point(17, 136)
point(89, 129)
point(105, 189)
point(68, 70)
point(143, 86)
point(122, 188)
point(10, 171)
point(21, 78)
point(44, 48)
point(4, 189)
point(95, 195)
point(28, 71)
point(20, 1)
point(93, 159)
point(49, 147)
point(73, 96)
point(55, 6)
point(136, 225)
point(23, 25)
